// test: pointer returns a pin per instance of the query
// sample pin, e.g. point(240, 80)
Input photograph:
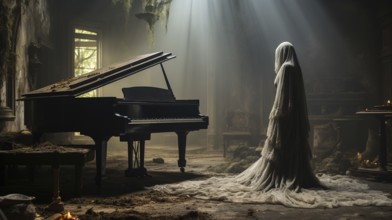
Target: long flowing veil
point(283, 174)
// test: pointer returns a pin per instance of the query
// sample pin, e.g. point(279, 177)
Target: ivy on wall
point(126, 6)
point(6, 21)
point(152, 11)
point(155, 10)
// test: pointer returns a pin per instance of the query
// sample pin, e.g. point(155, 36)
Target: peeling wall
point(34, 27)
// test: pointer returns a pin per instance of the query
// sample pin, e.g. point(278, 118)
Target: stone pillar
point(9, 18)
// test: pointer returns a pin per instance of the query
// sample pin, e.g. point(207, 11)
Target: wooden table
point(54, 156)
point(383, 116)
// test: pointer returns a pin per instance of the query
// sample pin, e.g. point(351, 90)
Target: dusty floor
point(126, 197)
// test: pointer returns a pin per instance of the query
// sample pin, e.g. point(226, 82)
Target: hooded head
point(285, 53)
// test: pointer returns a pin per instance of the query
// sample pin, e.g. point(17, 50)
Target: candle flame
point(68, 216)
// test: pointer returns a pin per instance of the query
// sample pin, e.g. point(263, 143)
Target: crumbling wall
point(33, 27)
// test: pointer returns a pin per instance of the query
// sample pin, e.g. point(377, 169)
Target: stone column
point(9, 17)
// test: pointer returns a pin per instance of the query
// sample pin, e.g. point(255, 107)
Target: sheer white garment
point(342, 191)
point(283, 173)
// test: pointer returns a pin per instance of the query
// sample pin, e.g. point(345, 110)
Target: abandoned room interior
point(148, 109)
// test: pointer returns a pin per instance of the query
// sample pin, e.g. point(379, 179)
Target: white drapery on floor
point(342, 191)
point(283, 174)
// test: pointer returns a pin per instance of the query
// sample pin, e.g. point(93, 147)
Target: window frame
point(77, 137)
point(98, 37)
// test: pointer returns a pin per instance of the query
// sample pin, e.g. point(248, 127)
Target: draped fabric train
point(342, 191)
point(283, 173)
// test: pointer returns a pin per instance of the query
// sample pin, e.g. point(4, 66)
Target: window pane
point(81, 31)
point(85, 54)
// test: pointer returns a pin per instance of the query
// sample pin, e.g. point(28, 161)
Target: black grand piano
point(142, 111)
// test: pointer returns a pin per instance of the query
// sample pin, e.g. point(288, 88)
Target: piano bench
point(31, 157)
point(230, 136)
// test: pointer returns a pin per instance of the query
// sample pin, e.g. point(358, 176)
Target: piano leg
point(130, 156)
point(137, 168)
point(141, 167)
point(100, 157)
point(181, 149)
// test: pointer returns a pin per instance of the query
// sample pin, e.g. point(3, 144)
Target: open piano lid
point(81, 84)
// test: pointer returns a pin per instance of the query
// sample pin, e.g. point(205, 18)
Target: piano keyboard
point(164, 121)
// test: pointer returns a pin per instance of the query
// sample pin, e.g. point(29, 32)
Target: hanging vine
point(126, 6)
point(5, 39)
point(154, 10)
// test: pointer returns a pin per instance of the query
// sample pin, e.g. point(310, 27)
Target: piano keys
point(142, 111)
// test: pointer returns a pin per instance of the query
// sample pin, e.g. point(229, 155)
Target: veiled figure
point(283, 174)
point(286, 155)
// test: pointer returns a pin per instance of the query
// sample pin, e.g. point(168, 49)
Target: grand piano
point(142, 111)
